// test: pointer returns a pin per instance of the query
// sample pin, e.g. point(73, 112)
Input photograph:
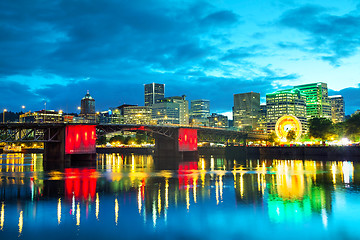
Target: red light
point(187, 139)
point(81, 183)
point(82, 144)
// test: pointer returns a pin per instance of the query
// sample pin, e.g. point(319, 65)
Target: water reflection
point(125, 189)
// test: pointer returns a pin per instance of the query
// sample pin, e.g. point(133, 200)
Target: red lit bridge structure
point(64, 140)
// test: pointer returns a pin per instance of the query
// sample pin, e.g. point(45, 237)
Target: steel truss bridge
point(49, 132)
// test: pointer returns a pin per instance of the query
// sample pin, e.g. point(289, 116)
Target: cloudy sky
point(53, 51)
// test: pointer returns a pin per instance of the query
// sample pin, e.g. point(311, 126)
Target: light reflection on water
point(131, 196)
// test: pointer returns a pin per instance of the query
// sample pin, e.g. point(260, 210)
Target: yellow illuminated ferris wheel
point(285, 124)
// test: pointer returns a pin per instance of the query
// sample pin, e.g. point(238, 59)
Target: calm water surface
point(131, 197)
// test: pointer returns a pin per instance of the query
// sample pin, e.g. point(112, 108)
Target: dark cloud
point(221, 17)
point(113, 47)
point(351, 98)
point(332, 37)
point(82, 38)
point(14, 95)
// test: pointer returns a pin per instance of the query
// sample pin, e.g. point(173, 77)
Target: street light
point(4, 115)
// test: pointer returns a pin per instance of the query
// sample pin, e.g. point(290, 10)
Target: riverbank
point(301, 152)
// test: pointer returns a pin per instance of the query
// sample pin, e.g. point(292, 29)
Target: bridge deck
point(47, 132)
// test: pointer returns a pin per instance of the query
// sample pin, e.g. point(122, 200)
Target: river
point(134, 197)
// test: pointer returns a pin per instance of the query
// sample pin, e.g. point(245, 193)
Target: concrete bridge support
point(182, 146)
point(71, 142)
point(56, 149)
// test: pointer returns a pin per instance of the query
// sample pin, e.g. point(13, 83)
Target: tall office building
point(88, 108)
point(317, 100)
point(199, 112)
point(137, 115)
point(171, 110)
point(285, 102)
point(200, 109)
point(246, 110)
point(262, 119)
point(153, 93)
point(218, 120)
point(337, 108)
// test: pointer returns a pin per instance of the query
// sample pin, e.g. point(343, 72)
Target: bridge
point(64, 140)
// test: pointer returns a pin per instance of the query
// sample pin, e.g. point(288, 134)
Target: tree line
point(324, 129)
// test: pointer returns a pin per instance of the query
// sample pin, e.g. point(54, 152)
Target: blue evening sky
point(55, 50)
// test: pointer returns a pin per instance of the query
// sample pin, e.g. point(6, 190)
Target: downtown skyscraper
point(246, 110)
point(317, 100)
point(153, 93)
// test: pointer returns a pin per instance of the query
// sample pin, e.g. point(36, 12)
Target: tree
point(291, 135)
point(117, 138)
point(272, 138)
point(352, 127)
point(320, 128)
point(101, 140)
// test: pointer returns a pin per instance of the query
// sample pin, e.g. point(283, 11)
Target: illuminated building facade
point(246, 110)
point(88, 108)
point(153, 93)
point(218, 120)
point(171, 110)
point(136, 115)
point(42, 116)
point(199, 112)
point(200, 108)
point(262, 118)
point(285, 102)
point(317, 100)
point(337, 108)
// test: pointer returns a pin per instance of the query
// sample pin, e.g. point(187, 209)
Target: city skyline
point(54, 51)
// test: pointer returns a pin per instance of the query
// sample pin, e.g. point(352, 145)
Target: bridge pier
point(182, 146)
point(71, 142)
point(55, 149)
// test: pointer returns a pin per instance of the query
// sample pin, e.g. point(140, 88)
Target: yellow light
point(187, 197)
point(139, 198)
point(59, 211)
point(78, 215)
point(166, 193)
point(159, 201)
point(116, 211)
point(5, 110)
point(97, 203)
point(285, 124)
point(2, 216)
point(21, 222)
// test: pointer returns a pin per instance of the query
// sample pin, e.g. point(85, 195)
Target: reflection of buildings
point(13, 184)
point(122, 184)
point(294, 193)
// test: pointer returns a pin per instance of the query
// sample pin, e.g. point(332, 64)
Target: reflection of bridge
point(62, 139)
